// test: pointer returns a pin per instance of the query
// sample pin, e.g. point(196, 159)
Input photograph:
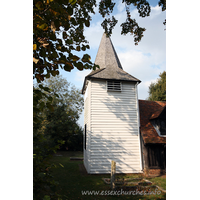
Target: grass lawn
point(159, 181)
point(72, 181)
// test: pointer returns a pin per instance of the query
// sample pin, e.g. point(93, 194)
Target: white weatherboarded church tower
point(111, 116)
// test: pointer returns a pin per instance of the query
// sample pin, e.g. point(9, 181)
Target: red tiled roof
point(150, 110)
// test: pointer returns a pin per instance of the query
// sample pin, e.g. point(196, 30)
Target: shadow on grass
point(72, 183)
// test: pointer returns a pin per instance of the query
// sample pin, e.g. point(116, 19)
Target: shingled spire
point(110, 66)
point(106, 55)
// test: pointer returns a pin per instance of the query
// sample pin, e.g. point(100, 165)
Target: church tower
point(111, 115)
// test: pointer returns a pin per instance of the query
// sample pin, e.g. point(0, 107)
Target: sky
point(144, 61)
point(183, 43)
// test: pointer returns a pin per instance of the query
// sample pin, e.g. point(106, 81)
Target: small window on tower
point(113, 86)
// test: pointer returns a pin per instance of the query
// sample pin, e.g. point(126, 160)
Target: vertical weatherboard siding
point(87, 113)
point(113, 129)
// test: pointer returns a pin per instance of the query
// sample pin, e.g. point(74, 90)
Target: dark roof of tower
point(110, 66)
point(106, 56)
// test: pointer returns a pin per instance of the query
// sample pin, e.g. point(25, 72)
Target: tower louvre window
point(114, 86)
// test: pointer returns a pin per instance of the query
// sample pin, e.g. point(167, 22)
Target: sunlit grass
point(72, 182)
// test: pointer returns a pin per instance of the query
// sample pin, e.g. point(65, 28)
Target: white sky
point(144, 61)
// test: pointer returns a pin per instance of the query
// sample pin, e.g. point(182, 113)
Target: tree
point(64, 93)
point(58, 27)
point(55, 126)
point(157, 91)
point(61, 126)
point(67, 104)
point(44, 185)
point(58, 31)
point(61, 122)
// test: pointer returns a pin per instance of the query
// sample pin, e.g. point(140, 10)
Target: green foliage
point(63, 93)
point(58, 110)
point(157, 91)
point(130, 25)
point(57, 107)
point(61, 125)
point(163, 4)
point(43, 183)
point(58, 31)
point(42, 100)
